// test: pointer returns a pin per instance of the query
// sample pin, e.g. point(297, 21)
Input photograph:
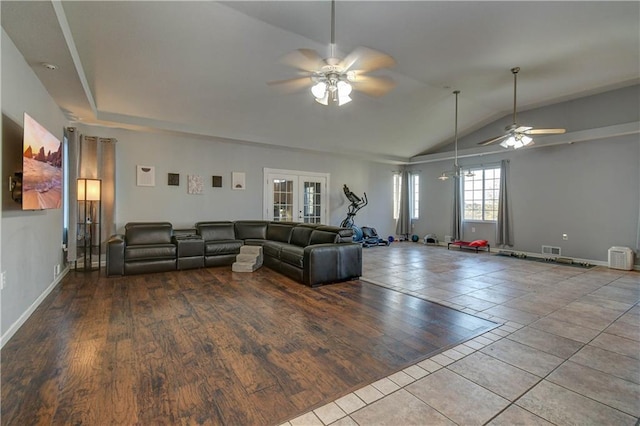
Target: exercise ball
point(415, 238)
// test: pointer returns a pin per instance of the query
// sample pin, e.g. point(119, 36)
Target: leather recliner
point(144, 247)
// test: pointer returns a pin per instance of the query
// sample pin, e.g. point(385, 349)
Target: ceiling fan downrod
point(332, 45)
point(515, 71)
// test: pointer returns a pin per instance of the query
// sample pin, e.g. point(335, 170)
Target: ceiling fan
point(332, 79)
point(517, 136)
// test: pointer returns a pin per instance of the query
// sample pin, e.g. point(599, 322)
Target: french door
point(294, 196)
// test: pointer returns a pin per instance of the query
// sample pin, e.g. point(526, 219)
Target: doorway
point(295, 196)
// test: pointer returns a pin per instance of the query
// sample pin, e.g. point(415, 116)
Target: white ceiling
point(202, 67)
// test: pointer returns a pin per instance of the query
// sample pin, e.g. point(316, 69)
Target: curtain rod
point(481, 165)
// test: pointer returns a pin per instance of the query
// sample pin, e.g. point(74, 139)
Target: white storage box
point(621, 258)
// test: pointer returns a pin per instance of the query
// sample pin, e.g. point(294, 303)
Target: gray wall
point(170, 153)
point(31, 240)
point(587, 190)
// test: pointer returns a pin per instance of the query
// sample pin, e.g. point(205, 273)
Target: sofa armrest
point(115, 255)
point(326, 263)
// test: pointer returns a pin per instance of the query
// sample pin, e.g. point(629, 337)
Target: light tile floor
point(568, 351)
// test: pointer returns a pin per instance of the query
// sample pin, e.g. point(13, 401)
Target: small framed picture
point(238, 180)
point(173, 179)
point(196, 184)
point(216, 181)
point(146, 176)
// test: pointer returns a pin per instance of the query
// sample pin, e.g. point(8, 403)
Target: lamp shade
point(319, 90)
point(89, 189)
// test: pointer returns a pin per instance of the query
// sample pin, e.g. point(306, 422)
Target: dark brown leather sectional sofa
point(309, 253)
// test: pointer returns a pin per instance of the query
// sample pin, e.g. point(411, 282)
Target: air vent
point(621, 258)
point(551, 251)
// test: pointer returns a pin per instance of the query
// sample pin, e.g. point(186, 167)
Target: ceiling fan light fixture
point(344, 100)
point(443, 176)
point(344, 88)
point(319, 90)
point(526, 140)
point(509, 142)
point(323, 100)
point(336, 92)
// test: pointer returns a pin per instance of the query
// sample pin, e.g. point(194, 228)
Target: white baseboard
point(26, 314)
point(496, 250)
point(542, 256)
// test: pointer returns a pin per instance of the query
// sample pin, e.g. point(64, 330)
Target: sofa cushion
point(345, 235)
point(251, 229)
point(323, 237)
point(149, 252)
point(273, 248)
point(279, 232)
point(214, 231)
point(137, 233)
point(300, 236)
point(214, 248)
point(293, 255)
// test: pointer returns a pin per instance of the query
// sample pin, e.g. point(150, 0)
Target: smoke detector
point(50, 67)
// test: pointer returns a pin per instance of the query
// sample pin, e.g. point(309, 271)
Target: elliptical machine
point(367, 236)
point(356, 204)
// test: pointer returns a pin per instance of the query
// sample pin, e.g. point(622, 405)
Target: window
point(415, 196)
point(397, 187)
point(481, 194)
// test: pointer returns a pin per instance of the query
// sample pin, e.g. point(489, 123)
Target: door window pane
point(282, 200)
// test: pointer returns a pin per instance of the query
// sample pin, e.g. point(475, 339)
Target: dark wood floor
point(210, 346)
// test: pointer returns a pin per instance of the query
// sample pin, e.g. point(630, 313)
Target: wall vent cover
point(551, 250)
point(621, 258)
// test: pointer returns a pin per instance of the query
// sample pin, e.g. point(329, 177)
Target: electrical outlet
point(3, 279)
point(473, 229)
point(565, 237)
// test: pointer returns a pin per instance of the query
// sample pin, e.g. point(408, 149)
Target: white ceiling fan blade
point(522, 129)
point(545, 131)
point(373, 86)
point(292, 85)
point(493, 140)
point(303, 59)
point(365, 60)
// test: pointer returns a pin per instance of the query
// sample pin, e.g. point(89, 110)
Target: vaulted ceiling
point(201, 67)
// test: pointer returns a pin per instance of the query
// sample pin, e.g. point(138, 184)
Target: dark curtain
point(504, 232)
point(73, 146)
point(456, 229)
point(94, 158)
point(403, 224)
